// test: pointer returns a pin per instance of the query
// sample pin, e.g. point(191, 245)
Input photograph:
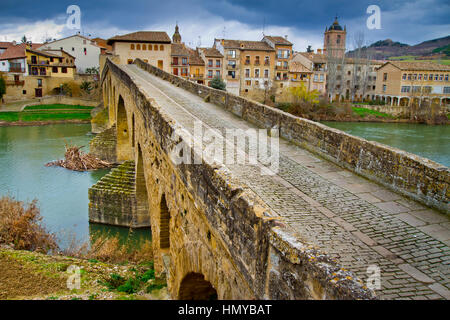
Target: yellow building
point(284, 53)
point(153, 47)
point(401, 83)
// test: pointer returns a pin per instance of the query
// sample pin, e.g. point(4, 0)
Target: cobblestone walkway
point(357, 222)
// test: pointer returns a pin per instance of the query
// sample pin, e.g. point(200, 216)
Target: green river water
point(62, 194)
point(432, 142)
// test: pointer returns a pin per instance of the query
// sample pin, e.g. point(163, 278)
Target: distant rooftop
point(142, 36)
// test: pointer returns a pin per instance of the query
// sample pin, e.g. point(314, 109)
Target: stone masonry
point(309, 232)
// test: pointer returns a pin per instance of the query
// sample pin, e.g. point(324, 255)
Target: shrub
point(217, 83)
point(20, 226)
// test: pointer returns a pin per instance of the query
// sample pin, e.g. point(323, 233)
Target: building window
point(446, 77)
point(64, 69)
point(232, 74)
point(420, 76)
point(266, 73)
point(321, 77)
point(161, 48)
point(384, 88)
point(256, 83)
point(441, 77)
point(446, 89)
point(415, 76)
point(55, 69)
point(138, 47)
point(349, 72)
point(210, 63)
point(130, 61)
point(436, 77)
point(232, 54)
point(218, 73)
point(430, 77)
point(425, 77)
point(184, 61)
point(132, 46)
point(385, 76)
point(150, 47)
point(156, 47)
point(39, 82)
point(256, 73)
point(73, 49)
point(144, 47)
point(24, 91)
point(406, 89)
point(217, 63)
point(338, 40)
point(266, 61)
point(248, 83)
point(51, 59)
point(247, 73)
point(210, 74)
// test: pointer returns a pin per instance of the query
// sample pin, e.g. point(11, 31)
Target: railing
point(197, 76)
point(247, 62)
point(257, 63)
point(232, 67)
point(281, 67)
point(17, 69)
point(15, 83)
point(40, 63)
point(267, 62)
point(230, 56)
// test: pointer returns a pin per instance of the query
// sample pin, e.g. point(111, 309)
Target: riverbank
point(37, 115)
point(41, 123)
point(354, 113)
point(30, 275)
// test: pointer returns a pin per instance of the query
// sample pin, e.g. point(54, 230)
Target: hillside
point(431, 49)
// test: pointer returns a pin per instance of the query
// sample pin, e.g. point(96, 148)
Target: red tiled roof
point(247, 45)
point(211, 52)
point(14, 52)
point(179, 49)
point(142, 36)
point(418, 65)
point(279, 40)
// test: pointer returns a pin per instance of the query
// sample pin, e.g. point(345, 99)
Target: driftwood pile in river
point(75, 159)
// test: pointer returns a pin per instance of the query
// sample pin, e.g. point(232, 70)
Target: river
point(432, 142)
point(62, 194)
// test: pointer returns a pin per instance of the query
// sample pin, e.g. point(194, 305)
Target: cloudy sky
point(201, 21)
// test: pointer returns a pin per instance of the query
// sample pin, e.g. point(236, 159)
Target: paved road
point(357, 222)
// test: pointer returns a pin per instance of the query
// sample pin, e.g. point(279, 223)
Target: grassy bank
point(34, 267)
point(54, 112)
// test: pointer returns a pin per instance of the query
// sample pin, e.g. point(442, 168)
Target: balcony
point(247, 62)
point(267, 63)
point(231, 67)
point(15, 83)
point(17, 69)
point(197, 76)
point(230, 56)
point(39, 63)
point(282, 67)
point(257, 63)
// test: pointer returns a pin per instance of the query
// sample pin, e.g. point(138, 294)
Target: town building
point(213, 62)
point(153, 47)
point(316, 64)
point(401, 83)
point(334, 40)
point(249, 65)
point(85, 50)
point(284, 52)
point(33, 73)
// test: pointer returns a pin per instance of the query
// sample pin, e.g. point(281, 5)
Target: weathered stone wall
point(112, 200)
point(419, 178)
point(103, 145)
point(218, 227)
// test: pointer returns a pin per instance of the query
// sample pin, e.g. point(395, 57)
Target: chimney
point(286, 36)
point(14, 42)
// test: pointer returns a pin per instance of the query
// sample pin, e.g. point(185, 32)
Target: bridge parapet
point(228, 234)
point(416, 177)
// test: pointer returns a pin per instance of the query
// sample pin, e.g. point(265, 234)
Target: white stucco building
point(85, 50)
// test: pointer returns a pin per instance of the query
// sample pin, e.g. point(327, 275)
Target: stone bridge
point(338, 210)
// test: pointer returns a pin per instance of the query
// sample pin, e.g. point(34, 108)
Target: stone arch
point(112, 109)
point(142, 218)
point(195, 287)
point(124, 149)
point(164, 224)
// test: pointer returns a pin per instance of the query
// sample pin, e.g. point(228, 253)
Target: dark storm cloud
point(407, 21)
